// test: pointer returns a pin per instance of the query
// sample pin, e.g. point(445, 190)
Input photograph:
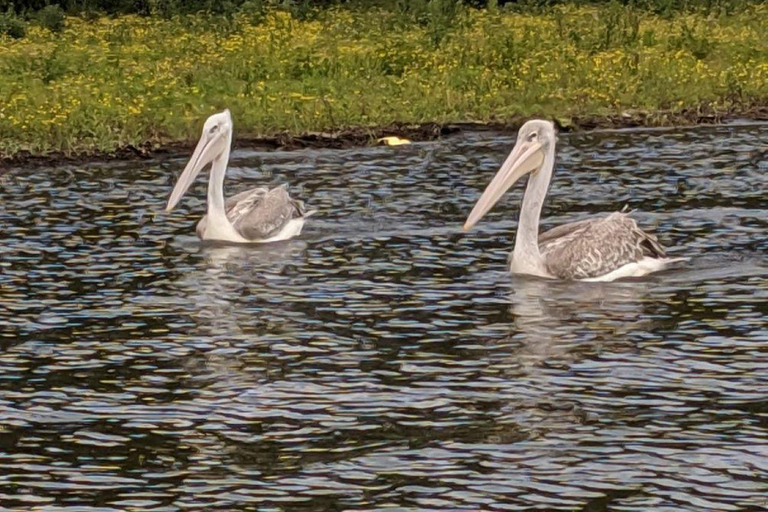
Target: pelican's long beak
point(206, 151)
point(524, 158)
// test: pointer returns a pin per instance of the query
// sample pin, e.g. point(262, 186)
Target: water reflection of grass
point(128, 80)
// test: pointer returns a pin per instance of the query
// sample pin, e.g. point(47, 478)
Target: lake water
point(385, 358)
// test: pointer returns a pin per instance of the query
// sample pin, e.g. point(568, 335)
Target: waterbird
point(595, 249)
point(259, 215)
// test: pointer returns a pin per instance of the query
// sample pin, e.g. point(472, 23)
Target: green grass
point(99, 85)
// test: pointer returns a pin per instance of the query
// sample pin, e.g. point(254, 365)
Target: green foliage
point(669, 7)
point(620, 26)
point(301, 9)
point(692, 39)
point(131, 79)
point(439, 17)
point(51, 17)
point(165, 8)
point(254, 10)
point(12, 25)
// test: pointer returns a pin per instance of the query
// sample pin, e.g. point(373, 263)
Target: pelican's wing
point(595, 247)
point(250, 195)
point(247, 197)
point(561, 231)
point(259, 213)
point(263, 213)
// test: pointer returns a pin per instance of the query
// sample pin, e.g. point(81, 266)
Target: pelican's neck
point(216, 184)
point(526, 250)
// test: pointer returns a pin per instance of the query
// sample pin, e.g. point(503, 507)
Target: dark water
point(385, 359)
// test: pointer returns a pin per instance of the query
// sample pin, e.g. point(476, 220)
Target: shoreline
point(350, 137)
point(133, 87)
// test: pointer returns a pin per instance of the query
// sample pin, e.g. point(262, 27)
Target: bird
point(603, 248)
point(256, 216)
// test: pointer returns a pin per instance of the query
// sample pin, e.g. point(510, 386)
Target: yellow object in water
point(393, 141)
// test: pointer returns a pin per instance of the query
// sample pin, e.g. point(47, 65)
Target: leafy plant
point(12, 24)
point(52, 17)
point(689, 39)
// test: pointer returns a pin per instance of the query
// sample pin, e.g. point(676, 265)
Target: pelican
point(259, 215)
point(595, 249)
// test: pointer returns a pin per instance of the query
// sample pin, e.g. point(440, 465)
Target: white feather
point(635, 269)
point(291, 229)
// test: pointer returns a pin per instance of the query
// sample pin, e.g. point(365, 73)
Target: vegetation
point(175, 7)
point(98, 84)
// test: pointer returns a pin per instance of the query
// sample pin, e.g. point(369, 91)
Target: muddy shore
point(365, 136)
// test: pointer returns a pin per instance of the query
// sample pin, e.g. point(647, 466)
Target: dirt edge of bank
point(365, 136)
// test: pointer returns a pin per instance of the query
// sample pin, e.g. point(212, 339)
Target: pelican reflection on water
point(259, 215)
point(594, 249)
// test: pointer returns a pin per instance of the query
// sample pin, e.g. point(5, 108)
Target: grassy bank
point(107, 83)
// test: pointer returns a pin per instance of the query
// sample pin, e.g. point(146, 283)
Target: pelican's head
point(534, 139)
point(214, 141)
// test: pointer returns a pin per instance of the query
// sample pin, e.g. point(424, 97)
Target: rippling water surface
point(385, 359)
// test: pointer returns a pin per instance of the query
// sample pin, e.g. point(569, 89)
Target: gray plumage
point(596, 246)
point(597, 249)
point(259, 213)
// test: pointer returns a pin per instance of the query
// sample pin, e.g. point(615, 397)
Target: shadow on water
point(385, 358)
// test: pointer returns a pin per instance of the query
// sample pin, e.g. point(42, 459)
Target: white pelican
point(595, 249)
point(259, 215)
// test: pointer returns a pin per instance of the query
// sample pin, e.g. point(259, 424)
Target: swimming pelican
point(259, 215)
point(594, 249)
